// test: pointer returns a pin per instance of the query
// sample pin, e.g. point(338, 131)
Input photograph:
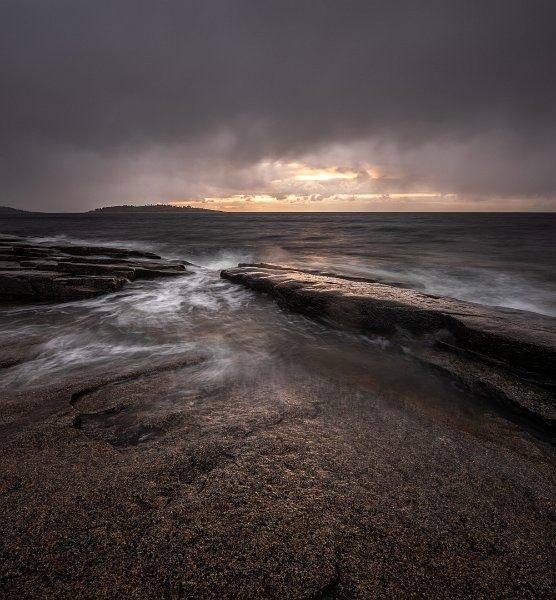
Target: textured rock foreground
point(315, 466)
point(506, 354)
point(290, 485)
point(47, 272)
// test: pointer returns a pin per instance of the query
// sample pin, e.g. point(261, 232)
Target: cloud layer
point(136, 100)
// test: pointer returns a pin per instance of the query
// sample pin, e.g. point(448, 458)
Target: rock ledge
point(45, 272)
point(506, 355)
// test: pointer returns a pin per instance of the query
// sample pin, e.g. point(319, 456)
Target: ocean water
point(497, 259)
point(506, 260)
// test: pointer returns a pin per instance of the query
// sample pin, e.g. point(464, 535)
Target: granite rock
point(43, 272)
point(508, 355)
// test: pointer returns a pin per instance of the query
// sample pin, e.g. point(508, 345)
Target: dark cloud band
point(245, 80)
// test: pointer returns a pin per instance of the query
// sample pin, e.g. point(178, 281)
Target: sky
point(305, 105)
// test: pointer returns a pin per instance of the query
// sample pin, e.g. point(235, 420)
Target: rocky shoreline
point(56, 273)
point(507, 355)
point(278, 479)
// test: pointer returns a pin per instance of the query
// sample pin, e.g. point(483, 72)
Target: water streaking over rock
point(36, 272)
point(494, 259)
point(186, 437)
point(507, 354)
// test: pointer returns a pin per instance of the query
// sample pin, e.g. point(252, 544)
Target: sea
point(503, 260)
point(497, 259)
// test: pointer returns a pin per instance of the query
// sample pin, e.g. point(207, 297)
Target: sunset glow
point(324, 175)
point(304, 185)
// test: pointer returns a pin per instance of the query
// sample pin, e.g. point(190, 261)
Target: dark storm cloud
point(87, 85)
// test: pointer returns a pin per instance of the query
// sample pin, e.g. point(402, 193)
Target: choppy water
point(498, 259)
point(504, 260)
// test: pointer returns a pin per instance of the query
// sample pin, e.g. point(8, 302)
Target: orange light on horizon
point(324, 175)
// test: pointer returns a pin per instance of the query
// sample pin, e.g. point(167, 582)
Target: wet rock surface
point(269, 461)
point(296, 488)
point(508, 355)
point(46, 272)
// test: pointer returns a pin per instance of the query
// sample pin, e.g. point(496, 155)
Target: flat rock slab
point(43, 272)
point(507, 354)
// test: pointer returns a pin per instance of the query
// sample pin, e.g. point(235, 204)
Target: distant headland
point(124, 208)
point(8, 210)
point(150, 208)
